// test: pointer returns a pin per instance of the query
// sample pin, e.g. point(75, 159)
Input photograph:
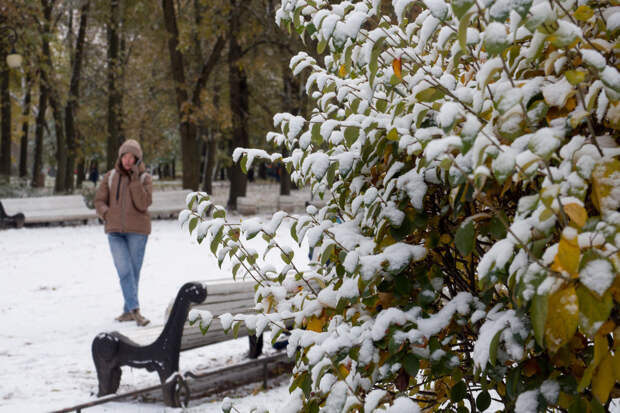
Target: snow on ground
point(60, 289)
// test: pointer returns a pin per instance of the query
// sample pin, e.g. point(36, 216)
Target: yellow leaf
point(562, 318)
point(615, 365)
point(583, 13)
point(315, 324)
point(568, 256)
point(607, 327)
point(603, 380)
point(397, 66)
point(600, 351)
point(344, 371)
point(603, 184)
point(343, 70)
point(575, 77)
point(546, 214)
point(577, 213)
point(565, 400)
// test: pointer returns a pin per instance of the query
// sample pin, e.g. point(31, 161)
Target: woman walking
point(122, 202)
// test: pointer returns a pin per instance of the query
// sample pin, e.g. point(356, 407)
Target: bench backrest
point(15, 205)
point(225, 297)
point(222, 297)
point(168, 201)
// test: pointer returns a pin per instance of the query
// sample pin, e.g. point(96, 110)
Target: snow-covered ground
point(60, 289)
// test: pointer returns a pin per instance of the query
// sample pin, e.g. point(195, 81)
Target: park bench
point(49, 209)
point(168, 204)
point(72, 208)
point(10, 221)
point(158, 349)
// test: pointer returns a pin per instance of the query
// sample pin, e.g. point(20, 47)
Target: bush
point(470, 247)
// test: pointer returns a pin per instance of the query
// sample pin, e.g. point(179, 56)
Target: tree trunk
point(37, 163)
point(5, 118)
point(114, 96)
point(239, 106)
point(190, 153)
point(210, 165)
point(291, 105)
point(44, 96)
point(81, 171)
point(23, 145)
point(211, 147)
point(61, 146)
point(72, 100)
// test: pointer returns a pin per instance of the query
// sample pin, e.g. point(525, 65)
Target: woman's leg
point(136, 244)
point(119, 247)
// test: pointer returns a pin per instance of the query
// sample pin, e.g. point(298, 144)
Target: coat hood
point(132, 146)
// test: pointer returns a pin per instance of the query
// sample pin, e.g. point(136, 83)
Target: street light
point(13, 59)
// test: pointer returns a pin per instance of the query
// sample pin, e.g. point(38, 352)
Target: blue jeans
point(128, 252)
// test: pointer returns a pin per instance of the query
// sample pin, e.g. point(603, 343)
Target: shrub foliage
point(468, 250)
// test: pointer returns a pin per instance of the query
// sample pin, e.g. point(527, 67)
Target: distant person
point(93, 176)
point(121, 201)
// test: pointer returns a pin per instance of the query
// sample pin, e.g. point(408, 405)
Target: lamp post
point(13, 59)
point(8, 37)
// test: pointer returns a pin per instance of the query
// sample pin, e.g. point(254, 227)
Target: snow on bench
point(72, 208)
point(222, 297)
point(46, 209)
point(168, 204)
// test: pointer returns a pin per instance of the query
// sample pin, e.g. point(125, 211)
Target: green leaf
point(235, 268)
point(496, 228)
point(316, 133)
point(381, 105)
point(493, 347)
point(538, 314)
point(373, 65)
point(192, 224)
point(236, 328)
point(429, 95)
point(462, 32)
point(464, 238)
point(327, 253)
point(460, 7)
point(244, 163)
point(347, 58)
point(294, 232)
point(350, 135)
point(483, 400)
point(513, 383)
point(393, 135)
point(458, 391)
point(579, 405)
point(593, 311)
point(215, 242)
point(596, 406)
point(411, 364)
point(191, 202)
point(320, 48)
point(399, 108)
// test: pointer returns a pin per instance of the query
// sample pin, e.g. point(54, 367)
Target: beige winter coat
point(122, 198)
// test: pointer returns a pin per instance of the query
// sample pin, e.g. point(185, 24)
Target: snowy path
point(59, 289)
